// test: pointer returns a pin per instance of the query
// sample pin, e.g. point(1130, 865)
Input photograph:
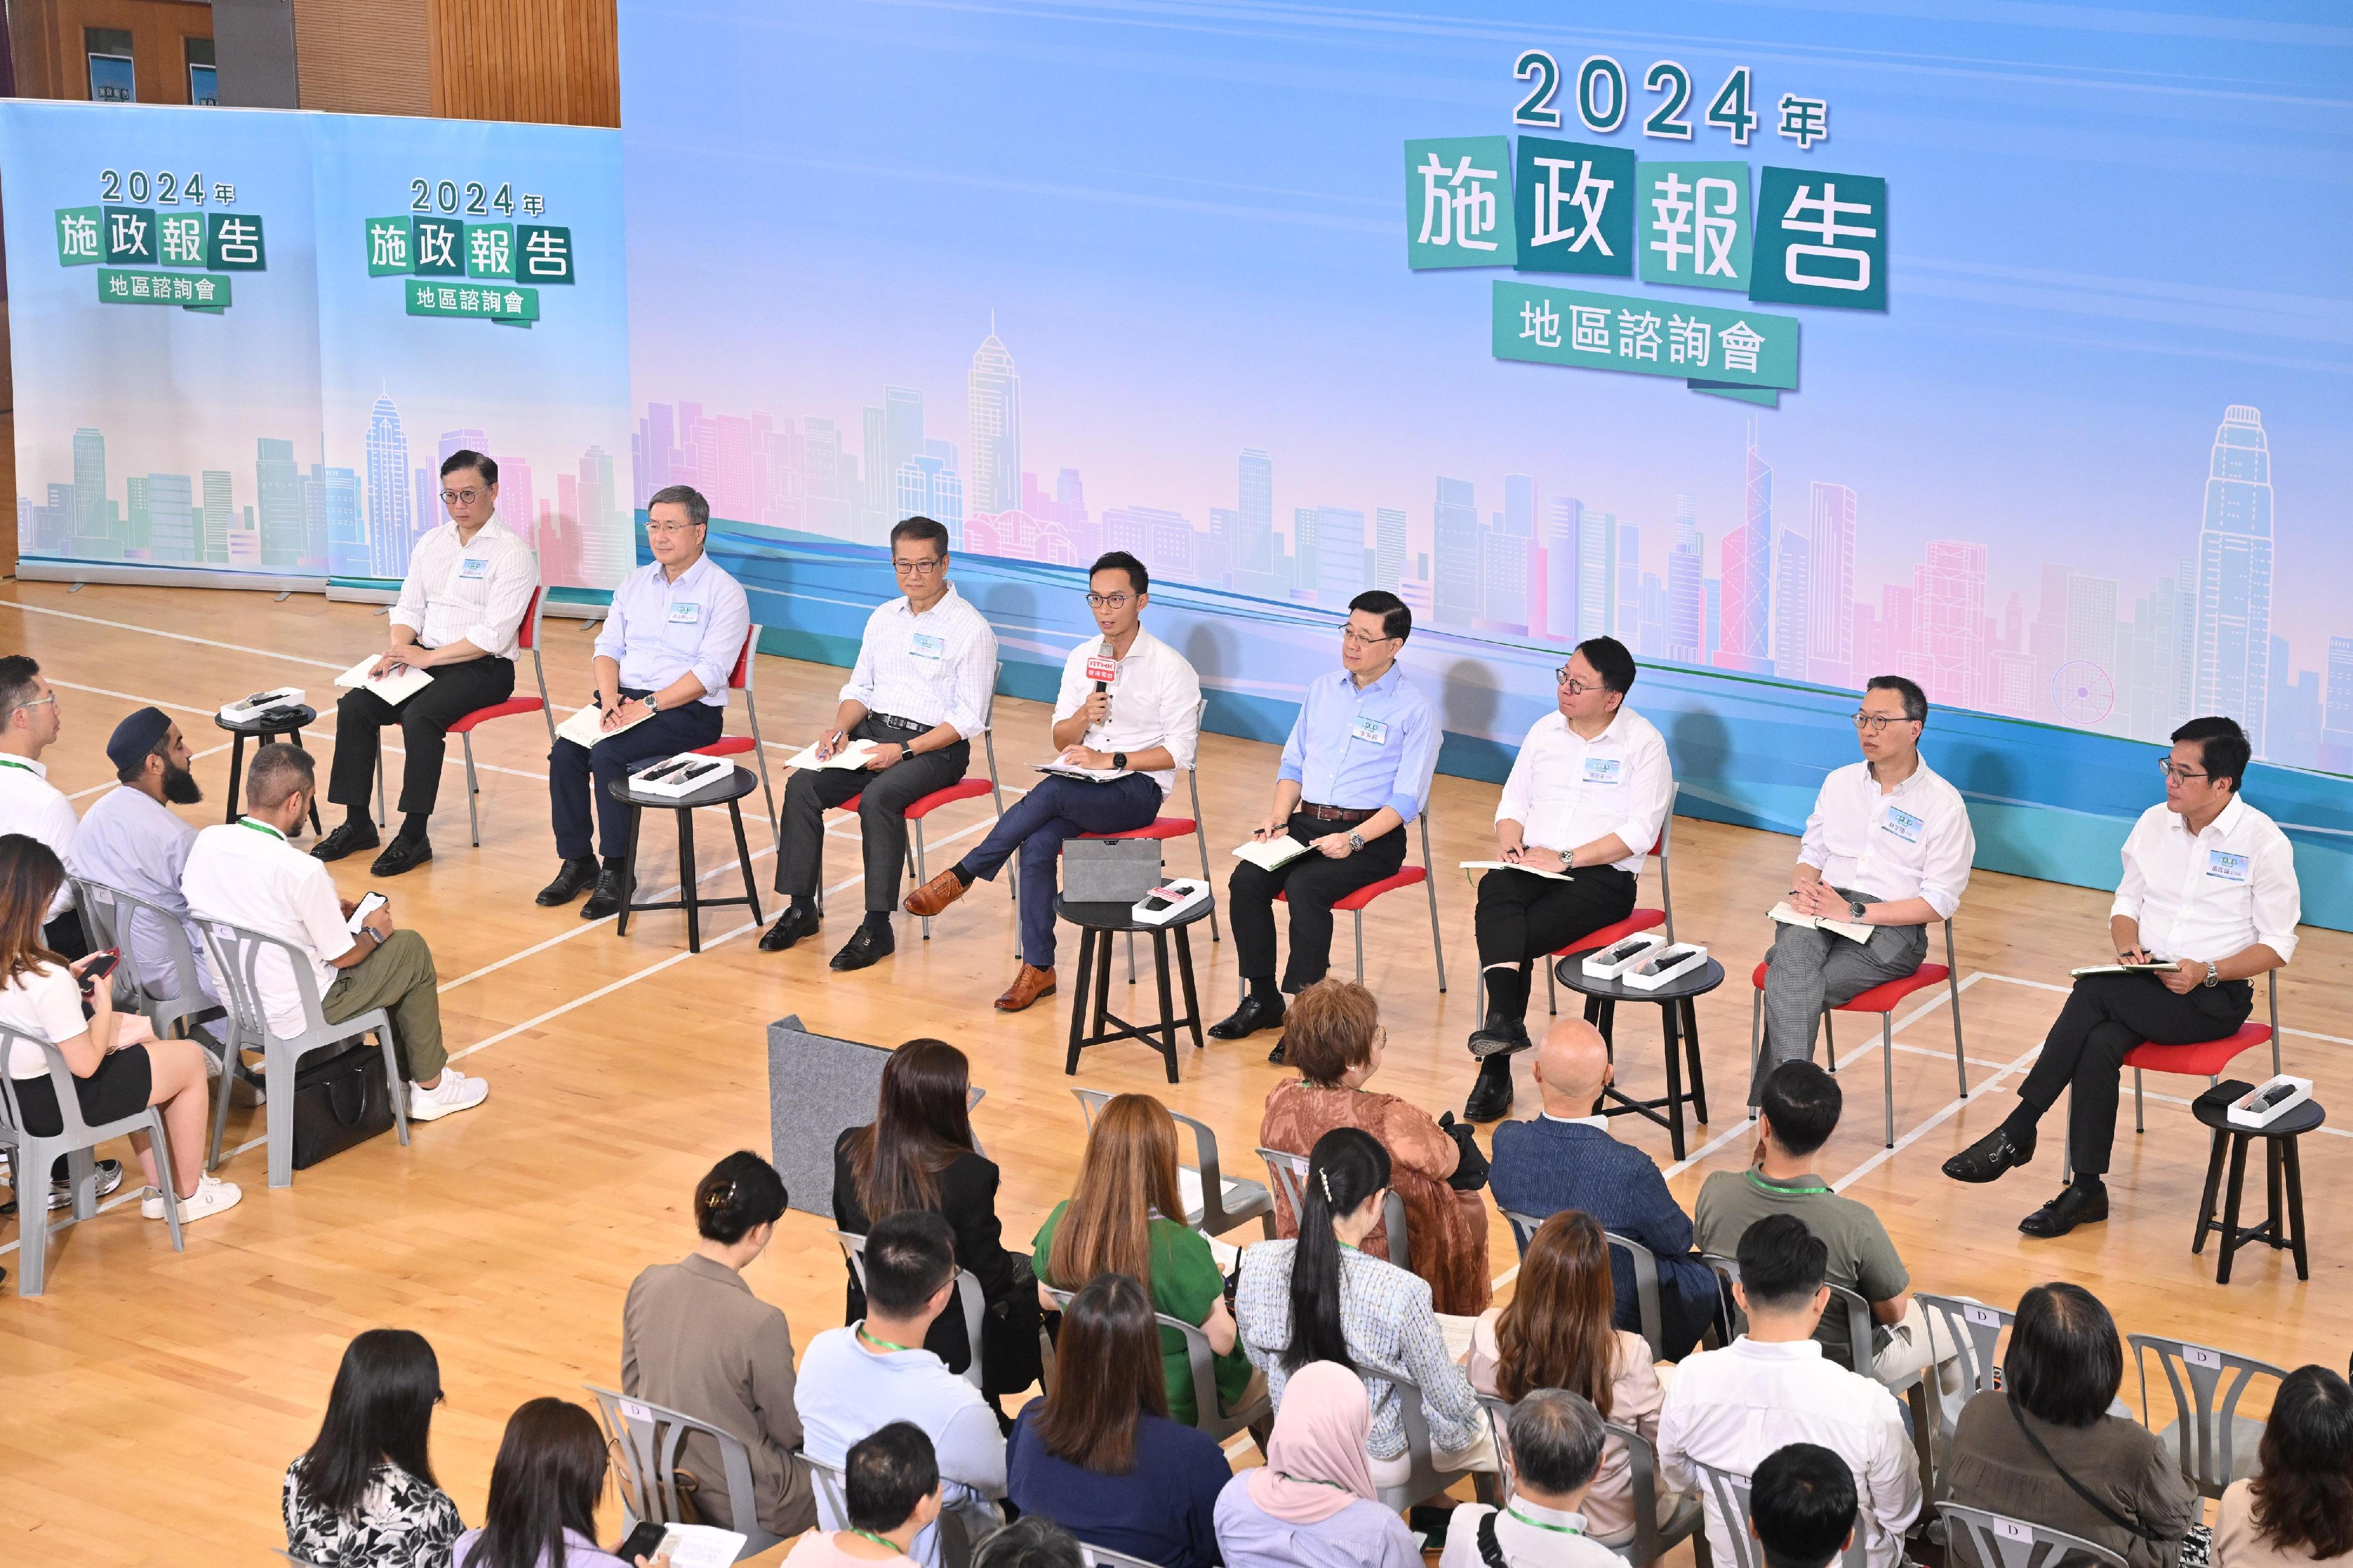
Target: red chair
point(1406, 877)
point(526, 636)
point(962, 789)
point(2206, 1061)
point(1610, 935)
point(740, 680)
point(1166, 827)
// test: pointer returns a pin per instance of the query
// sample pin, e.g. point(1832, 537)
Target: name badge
point(682, 613)
point(1903, 824)
point(1373, 731)
point(927, 645)
point(1603, 770)
point(2230, 867)
point(1101, 668)
point(473, 569)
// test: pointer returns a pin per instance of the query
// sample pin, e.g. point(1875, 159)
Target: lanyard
point(882, 1344)
point(20, 767)
point(261, 828)
point(1540, 1524)
point(1777, 1190)
point(879, 1541)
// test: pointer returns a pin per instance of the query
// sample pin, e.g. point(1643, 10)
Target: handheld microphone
point(1104, 669)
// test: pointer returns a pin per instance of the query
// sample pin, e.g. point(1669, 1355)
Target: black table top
point(2213, 1107)
point(1698, 982)
point(734, 784)
point(1121, 916)
point(299, 717)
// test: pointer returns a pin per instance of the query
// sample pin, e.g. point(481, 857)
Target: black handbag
point(339, 1100)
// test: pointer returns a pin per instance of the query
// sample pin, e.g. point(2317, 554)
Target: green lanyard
point(1777, 1190)
point(879, 1541)
point(1316, 1481)
point(261, 828)
point(884, 1344)
point(1540, 1524)
point(20, 767)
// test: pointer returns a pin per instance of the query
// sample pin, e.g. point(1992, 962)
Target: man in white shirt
point(669, 644)
point(858, 1379)
point(1888, 846)
point(920, 691)
point(1585, 798)
point(1129, 704)
point(1556, 1440)
point(132, 840)
point(460, 609)
point(245, 873)
point(1731, 1408)
point(2209, 887)
point(29, 803)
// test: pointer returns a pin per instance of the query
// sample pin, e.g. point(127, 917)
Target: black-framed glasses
point(1577, 688)
point(451, 498)
point(1877, 722)
point(1108, 601)
point(2178, 773)
point(920, 568)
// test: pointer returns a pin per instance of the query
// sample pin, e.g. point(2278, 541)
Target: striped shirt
point(934, 668)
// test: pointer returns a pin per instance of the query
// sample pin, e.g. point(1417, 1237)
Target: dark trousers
point(2106, 1016)
point(1310, 885)
point(1522, 917)
point(64, 937)
point(576, 773)
point(1035, 828)
point(424, 719)
point(883, 803)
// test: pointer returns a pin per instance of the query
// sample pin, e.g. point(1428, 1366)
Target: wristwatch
point(1119, 760)
point(650, 705)
point(905, 750)
point(2213, 975)
point(1855, 908)
point(1355, 841)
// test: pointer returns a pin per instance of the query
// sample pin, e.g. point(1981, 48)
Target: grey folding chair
point(114, 918)
point(30, 1157)
point(1425, 1481)
point(236, 955)
point(830, 1485)
point(1290, 1171)
point(1974, 1330)
point(1653, 1538)
point(1996, 1540)
point(1729, 1494)
point(968, 1297)
point(645, 1440)
point(1643, 1261)
point(1856, 1309)
point(1227, 1202)
point(1209, 1412)
point(2216, 1444)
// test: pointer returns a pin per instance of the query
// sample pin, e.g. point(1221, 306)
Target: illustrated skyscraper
point(390, 526)
point(1830, 641)
point(1748, 608)
point(1255, 548)
point(2234, 574)
point(93, 521)
point(278, 496)
point(993, 393)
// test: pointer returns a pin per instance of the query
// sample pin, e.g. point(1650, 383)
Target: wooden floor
point(149, 1402)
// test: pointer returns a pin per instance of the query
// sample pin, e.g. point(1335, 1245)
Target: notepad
point(1073, 771)
point(2163, 966)
point(586, 727)
point(395, 688)
point(1270, 854)
point(698, 1546)
point(856, 754)
point(1850, 930)
point(1471, 865)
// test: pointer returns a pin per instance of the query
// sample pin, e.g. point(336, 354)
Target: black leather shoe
point(606, 900)
point(1276, 1058)
point(868, 945)
point(791, 926)
point(1990, 1156)
point(571, 877)
point(353, 836)
point(403, 854)
point(2074, 1205)
point(1491, 1097)
point(1499, 1037)
point(1253, 1014)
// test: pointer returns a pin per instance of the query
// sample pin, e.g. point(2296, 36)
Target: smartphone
point(369, 903)
point(101, 965)
point(643, 1541)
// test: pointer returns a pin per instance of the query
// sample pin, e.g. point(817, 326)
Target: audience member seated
point(695, 1339)
point(1566, 1159)
point(545, 1487)
point(1333, 1037)
point(2015, 1447)
point(892, 1487)
point(363, 1495)
point(1098, 1453)
point(132, 839)
point(29, 803)
point(857, 1378)
point(1030, 1542)
point(1732, 1407)
point(1125, 1216)
point(118, 1065)
point(1321, 1298)
point(1312, 1504)
point(917, 1154)
point(1556, 1440)
point(1802, 1507)
point(2298, 1508)
point(1556, 1333)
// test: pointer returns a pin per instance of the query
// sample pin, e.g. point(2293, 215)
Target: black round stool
point(2282, 1226)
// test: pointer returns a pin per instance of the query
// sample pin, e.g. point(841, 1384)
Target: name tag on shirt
point(2230, 867)
point(1101, 668)
point(1373, 732)
point(1903, 824)
point(682, 613)
point(1603, 770)
point(473, 569)
point(926, 645)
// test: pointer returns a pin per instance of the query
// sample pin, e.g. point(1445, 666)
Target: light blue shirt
point(1364, 749)
point(657, 629)
point(135, 842)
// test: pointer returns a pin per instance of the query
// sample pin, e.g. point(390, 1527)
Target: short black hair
point(2222, 746)
point(909, 1255)
point(923, 528)
point(2065, 1361)
point(275, 772)
point(1782, 1263)
point(1610, 661)
point(742, 1191)
point(482, 463)
point(1033, 1541)
point(1802, 1102)
point(1916, 701)
point(888, 1472)
point(1139, 580)
point(18, 678)
point(1802, 1503)
point(1397, 621)
point(1556, 1439)
point(697, 510)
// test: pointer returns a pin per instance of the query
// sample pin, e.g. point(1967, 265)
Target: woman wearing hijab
point(1312, 1505)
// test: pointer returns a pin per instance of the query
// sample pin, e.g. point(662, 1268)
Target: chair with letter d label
point(646, 1439)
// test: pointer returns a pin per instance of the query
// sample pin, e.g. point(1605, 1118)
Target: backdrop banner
point(243, 340)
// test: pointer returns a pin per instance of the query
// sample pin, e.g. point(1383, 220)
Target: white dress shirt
point(657, 630)
point(2226, 889)
point(1156, 700)
point(32, 806)
point(1913, 842)
point(44, 1001)
point(934, 668)
point(131, 841)
point(1733, 1408)
point(1529, 1535)
point(1564, 791)
point(248, 875)
point(477, 591)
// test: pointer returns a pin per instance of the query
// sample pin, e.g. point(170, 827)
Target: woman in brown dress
point(1333, 1037)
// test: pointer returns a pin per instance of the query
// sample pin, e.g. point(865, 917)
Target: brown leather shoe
point(1030, 983)
point(935, 895)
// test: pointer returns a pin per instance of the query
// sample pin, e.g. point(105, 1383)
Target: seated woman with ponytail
point(1320, 1299)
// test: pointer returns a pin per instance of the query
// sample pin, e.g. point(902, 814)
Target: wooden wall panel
point(364, 57)
point(554, 62)
point(46, 39)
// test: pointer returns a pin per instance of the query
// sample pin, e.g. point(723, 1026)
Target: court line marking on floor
point(175, 637)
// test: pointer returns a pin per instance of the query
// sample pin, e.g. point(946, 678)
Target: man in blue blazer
point(1566, 1159)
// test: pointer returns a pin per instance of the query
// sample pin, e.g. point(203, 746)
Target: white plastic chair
point(2216, 1444)
point(645, 1440)
point(1227, 1202)
point(30, 1157)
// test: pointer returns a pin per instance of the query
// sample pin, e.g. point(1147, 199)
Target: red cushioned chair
point(2205, 1061)
point(1166, 827)
point(526, 636)
point(740, 680)
point(1640, 920)
point(1406, 877)
point(1883, 999)
point(962, 789)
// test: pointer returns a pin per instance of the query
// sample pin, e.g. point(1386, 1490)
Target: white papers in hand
point(856, 754)
point(586, 727)
point(2163, 966)
point(395, 688)
point(1471, 865)
point(1270, 854)
point(1850, 929)
point(698, 1546)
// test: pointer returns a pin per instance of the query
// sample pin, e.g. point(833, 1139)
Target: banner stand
point(52, 569)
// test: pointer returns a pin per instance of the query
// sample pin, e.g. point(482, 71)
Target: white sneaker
point(213, 1197)
point(454, 1093)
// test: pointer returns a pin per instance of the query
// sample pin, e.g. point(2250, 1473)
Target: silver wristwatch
point(1855, 909)
point(2213, 975)
point(1355, 841)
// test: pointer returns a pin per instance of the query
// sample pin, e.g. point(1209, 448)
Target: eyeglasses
point(1356, 638)
point(1877, 722)
point(1108, 601)
point(451, 498)
point(1575, 688)
point(37, 703)
point(924, 568)
point(2178, 775)
point(664, 529)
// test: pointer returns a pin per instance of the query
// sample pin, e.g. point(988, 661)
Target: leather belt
point(893, 721)
point(1332, 813)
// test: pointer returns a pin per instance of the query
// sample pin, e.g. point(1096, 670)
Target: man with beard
point(132, 840)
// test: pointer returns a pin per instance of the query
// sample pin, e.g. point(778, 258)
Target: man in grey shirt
point(132, 840)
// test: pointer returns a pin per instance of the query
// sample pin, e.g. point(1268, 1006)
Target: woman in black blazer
point(917, 1154)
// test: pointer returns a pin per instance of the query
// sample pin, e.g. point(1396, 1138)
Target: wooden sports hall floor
point(152, 1400)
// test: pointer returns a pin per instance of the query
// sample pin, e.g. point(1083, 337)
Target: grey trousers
point(1810, 970)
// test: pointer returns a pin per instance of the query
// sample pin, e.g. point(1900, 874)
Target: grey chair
point(1974, 1330)
point(1729, 1494)
point(237, 954)
point(830, 1485)
point(1856, 1309)
point(30, 1157)
point(1996, 1540)
point(1290, 1171)
point(1209, 1412)
point(1643, 1261)
point(1425, 1479)
point(1227, 1202)
point(2216, 1444)
point(1653, 1538)
point(968, 1297)
point(113, 917)
point(645, 1440)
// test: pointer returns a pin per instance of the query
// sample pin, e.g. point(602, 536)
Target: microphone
point(1104, 669)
